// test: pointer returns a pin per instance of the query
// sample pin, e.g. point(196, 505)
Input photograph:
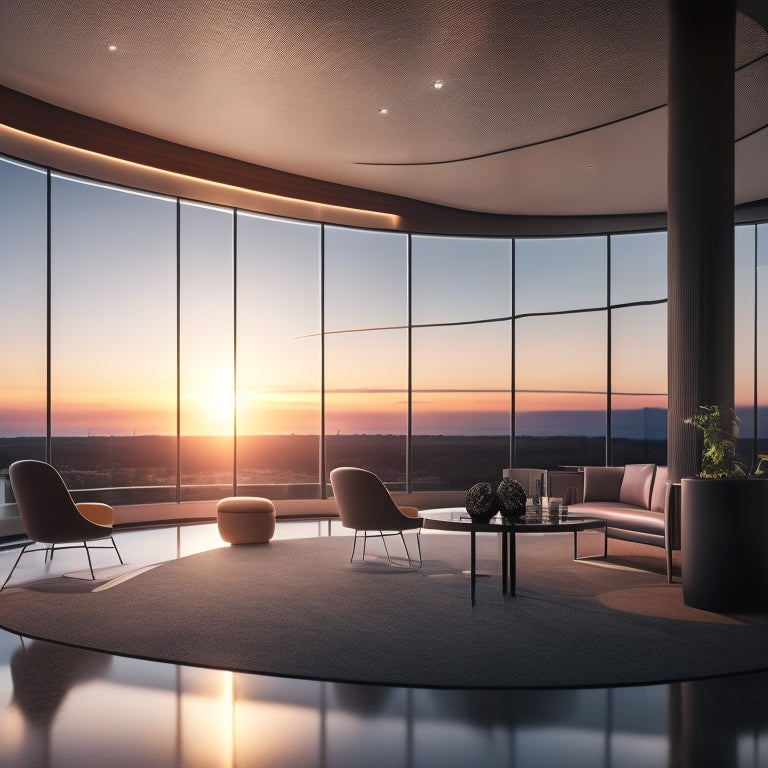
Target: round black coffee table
point(458, 520)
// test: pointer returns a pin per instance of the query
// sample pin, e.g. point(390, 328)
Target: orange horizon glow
point(212, 414)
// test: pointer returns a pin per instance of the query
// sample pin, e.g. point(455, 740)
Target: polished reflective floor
point(62, 706)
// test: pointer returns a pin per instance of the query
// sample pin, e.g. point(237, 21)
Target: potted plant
point(720, 431)
point(724, 522)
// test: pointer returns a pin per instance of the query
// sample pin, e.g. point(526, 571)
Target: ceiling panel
point(546, 108)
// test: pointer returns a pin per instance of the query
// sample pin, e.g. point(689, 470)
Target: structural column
point(700, 185)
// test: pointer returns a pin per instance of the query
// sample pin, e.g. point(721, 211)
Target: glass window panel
point(278, 356)
point(639, 349)
point(366, 279)
point(638, 267)
point(461, 404)
point(561, 353)
point(206, 351)
point(762, 337)
point(560, 404)
point(553, 275)
point(23, 313)
point(461, 357)
point(639, 429)
point(366, 379)
point(366, 371)
point(459, 439)
point(455, 279)
point(559, 429)
point(113, 336)
point(744, 336)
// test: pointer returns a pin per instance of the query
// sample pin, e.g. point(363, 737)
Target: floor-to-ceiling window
point(206, 351)
point(561, 338)
point(751, 341)
point(461, 299)
point(365, 302)
point(638, 348)
point(113, 336)
point(761, 347)
point(279, 358)
point(195, 349)
point(23, 315)
point(745, 350)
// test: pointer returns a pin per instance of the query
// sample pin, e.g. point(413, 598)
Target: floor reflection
point(62, 706)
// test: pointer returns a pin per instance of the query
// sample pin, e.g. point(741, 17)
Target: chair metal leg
point(117, 551)
point(90, 565)
point(384, 542)
point(8, 578)
point(418, 544)
point(411, 561)
point(49, 551)
point(405, 546)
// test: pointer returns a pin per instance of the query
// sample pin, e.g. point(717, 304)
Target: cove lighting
point(50, 152)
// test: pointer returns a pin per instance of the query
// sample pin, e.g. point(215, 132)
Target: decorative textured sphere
point(482, 502)
point(512, 497)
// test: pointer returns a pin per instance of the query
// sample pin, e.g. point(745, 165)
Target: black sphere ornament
point(482, 502)
point(512, 498)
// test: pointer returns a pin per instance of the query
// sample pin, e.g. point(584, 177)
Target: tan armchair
point(50, 517)
point(366, 506)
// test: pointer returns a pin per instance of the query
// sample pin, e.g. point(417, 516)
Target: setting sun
point(209, 409)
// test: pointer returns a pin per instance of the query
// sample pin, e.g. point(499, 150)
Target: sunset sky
point(114, 335)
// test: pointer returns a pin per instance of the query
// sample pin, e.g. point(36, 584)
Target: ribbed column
point(700, 219)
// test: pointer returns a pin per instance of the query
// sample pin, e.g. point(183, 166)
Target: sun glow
point(210, 408)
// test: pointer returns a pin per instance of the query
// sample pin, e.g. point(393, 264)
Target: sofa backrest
point(659, 494)
point(602, 483)
point(636, 485)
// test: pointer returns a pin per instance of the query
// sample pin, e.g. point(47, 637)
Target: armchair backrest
point(47, 510)
point(363, 501)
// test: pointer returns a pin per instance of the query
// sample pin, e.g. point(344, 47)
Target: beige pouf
point(246, 519)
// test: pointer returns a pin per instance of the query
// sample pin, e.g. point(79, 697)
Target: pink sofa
point(637, 504)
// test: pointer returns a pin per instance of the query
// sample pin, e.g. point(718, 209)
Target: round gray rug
point(298, 608)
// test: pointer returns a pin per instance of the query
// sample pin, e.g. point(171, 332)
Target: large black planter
point(724, 544)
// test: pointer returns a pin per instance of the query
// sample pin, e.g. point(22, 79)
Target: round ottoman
point(246, 519)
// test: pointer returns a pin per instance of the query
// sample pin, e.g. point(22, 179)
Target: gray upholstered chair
point(50, 517)
point(365, 506)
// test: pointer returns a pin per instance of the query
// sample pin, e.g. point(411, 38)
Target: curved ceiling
point(551, 108)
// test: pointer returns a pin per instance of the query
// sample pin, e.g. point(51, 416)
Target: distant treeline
point(437, 461)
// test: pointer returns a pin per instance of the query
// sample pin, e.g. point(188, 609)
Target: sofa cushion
point(624, 517)
point(637, 484)
point(659, 493)
point(602, 483)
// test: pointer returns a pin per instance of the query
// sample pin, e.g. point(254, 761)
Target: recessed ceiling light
point(438, 84)
point(383, 111)
point(111, 47)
